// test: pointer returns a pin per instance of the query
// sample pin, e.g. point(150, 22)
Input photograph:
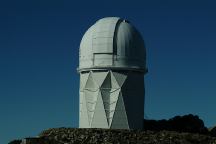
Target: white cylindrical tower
point(112, 64)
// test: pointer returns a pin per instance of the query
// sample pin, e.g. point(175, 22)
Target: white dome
point(112, 43)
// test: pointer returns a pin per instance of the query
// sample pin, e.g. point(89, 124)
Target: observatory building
point(112, 64)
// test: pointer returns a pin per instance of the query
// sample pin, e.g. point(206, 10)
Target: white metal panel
point(91, 84)
point(107, 82)
point(114, 83)
point(108, 106)
point(114, 93)
point(112, 36)
point(86, 44)
point(101, 59)
point(83, 80)
point(120, 77)
point(99, 77)
point(83, 119)
point(99, 118)
point(120, 117)
point(100, 47)
point(103, 35)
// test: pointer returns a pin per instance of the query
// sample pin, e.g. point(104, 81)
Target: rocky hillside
point(188, 129)
point(98, 136)
point(102, 136)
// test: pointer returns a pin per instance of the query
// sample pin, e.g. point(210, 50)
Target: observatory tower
point(112, 64)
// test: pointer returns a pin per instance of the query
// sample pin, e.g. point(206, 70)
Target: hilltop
point(188, 129)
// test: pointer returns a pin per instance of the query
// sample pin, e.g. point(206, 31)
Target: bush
point(213, 132)
point(15, 142)
point(188, 123)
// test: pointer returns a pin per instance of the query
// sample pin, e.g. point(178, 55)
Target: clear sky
point(39, 43)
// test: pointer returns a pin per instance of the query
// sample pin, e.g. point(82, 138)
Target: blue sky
point(39, 43)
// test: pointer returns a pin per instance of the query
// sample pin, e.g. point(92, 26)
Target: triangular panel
point(113, 101)
point(91, 99)
point(109, 101)
point(91, 96)
point(120, 78)
point(114, 83)
point(84, 120)
point(114, 96)
point(91, 84)
point(105, 93)
point(99, 117)
point(120, 117)
point(107, 82)
point(83, 80)
point(99, 77)
point(80, 102)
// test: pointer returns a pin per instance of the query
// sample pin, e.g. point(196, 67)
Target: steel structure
point(112, 64)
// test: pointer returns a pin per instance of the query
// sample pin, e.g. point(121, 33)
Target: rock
point(107, 136)
point(34, 140)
